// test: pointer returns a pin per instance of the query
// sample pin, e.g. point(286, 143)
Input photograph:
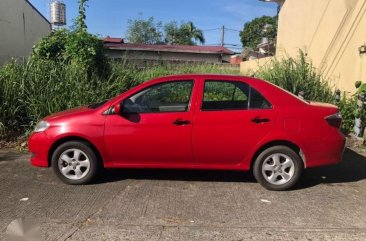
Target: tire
point(75, 163)
point(278, 168)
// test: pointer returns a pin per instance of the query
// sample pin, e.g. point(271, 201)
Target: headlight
point(41, 126)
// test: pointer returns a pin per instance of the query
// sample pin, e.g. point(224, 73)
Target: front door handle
point(180, 122)
point(260, 120)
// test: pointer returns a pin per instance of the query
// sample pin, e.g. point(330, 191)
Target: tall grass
point(29, 92)
point(298, 74)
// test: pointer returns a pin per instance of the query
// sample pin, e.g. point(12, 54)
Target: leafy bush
point(74, 47)
point(347, 108)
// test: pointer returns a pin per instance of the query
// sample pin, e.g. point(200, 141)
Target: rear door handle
point(259, 120)
point(180, 122)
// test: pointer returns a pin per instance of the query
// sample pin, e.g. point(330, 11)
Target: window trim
point(189, 105)
point(249, 96)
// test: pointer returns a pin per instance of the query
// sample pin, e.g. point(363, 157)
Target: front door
point(232, 118)
point(155, 127)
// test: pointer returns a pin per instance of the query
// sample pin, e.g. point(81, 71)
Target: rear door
point(231, 119)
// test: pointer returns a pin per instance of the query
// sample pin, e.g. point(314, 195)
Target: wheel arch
point(73, 138)
point(296, 148)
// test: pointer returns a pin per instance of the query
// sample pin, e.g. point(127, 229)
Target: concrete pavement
point(329, 204)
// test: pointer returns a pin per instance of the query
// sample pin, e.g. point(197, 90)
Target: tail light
point(334, 120)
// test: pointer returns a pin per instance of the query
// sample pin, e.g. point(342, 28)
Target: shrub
point(347, 108)
point(75, 47)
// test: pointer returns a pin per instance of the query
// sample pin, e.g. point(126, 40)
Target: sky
point(110, 17)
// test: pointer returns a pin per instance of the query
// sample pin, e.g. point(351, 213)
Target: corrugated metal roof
point(113, 40)
point(170, 48)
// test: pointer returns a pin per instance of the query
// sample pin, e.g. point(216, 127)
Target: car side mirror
point(117, 109)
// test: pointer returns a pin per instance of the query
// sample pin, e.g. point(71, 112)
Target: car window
point(232, 95)
point(225, 95)
point(257, 101)
point(165, 97)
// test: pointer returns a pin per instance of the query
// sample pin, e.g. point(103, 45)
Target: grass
point(298, 74)
point(29, 92)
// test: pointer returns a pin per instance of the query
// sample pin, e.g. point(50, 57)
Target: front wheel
point(278, 168)
point(75, 163)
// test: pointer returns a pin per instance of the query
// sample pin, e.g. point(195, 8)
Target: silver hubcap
point(74, 164)
point(278, 169)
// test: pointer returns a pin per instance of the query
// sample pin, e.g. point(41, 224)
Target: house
point(21, 26)
point(116, 48)
point(331, 32)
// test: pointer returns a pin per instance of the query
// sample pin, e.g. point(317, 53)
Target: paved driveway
point(329, 204)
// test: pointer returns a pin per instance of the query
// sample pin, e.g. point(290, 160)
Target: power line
point(211, 29)
point(230, 29)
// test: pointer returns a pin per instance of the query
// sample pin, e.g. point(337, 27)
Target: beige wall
point(250, 67)
point(330, 31)
point(21, 26)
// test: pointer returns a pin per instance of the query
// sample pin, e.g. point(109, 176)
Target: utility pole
point(222, 35)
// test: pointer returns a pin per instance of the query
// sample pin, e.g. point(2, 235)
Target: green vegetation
point(298, 74)
point(144, 31)
point(29, 92)
point(147, 31)
point(185, 34)
point(76, 47)
point(255, 30)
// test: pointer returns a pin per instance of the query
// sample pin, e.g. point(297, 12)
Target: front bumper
point(39, 145)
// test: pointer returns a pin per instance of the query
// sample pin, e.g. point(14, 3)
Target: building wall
point(330, 32)
point(166, 56)
point(21, 26)
point(250, 67)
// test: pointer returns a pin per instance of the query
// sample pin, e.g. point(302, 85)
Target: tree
point(254, 31)
point(144, 31)
point(74, 46)
point(185, 34)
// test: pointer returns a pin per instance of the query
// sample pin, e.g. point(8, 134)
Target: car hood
point(68, 113)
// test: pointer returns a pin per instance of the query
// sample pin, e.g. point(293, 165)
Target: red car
point(193, 122)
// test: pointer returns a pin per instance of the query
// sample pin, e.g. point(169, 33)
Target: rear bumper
point(326, 151)
point(39, 145)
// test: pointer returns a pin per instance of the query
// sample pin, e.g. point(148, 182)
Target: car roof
point(218, 77)
point(205, 75)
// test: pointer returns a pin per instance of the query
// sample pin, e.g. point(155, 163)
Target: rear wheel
point(75, 163)
point(278, 168)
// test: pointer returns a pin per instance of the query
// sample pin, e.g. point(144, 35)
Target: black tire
point(263, 176)
point(87, 151)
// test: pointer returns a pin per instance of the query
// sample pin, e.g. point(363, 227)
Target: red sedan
point(193, 122)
